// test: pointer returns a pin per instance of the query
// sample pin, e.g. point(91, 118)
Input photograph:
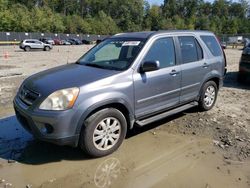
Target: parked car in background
point(223, 45)
point(246, 42)
point(71, 42)
point(235, 40)
point(58, 42)
point(65, 42)
point(34, 44)
point(47, 40)
point(84, 41)
point(130, 79)
point(99, 41)
point(244, 66)
point(76, 41)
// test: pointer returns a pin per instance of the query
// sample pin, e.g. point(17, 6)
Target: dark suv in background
point(244, 66)
point(75, 41)
point(129, 79)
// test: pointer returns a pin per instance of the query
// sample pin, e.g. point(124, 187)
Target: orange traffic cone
point(6, 55)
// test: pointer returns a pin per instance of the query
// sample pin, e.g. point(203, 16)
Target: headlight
point(60, 100)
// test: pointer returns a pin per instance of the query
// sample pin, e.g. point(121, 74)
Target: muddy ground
point(191, 149)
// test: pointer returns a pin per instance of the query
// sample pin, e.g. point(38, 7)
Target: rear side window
point(162, 50)
point(191, 50)
point(212, 45)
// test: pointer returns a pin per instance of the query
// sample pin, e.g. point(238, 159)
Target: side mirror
point(148, 66)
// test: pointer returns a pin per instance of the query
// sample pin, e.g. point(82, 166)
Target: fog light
point(46, 128)
point(49, 128)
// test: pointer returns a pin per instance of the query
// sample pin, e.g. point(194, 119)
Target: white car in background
point(29, 44)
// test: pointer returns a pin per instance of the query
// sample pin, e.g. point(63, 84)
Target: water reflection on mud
point(107, 172)
point(13, 138)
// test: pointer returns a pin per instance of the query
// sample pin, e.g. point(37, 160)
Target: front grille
point(27, 96)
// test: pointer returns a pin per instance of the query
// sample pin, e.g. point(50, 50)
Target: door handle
point(205, 65)
point(174, 72)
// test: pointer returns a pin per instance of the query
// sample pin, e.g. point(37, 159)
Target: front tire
point(103, 132)
point(26, 48)
point(46, 48)
point(208, 96)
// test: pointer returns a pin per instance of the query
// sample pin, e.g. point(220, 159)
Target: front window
point(163, 51)
point(113, 54)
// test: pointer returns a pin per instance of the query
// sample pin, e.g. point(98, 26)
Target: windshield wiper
point(94, 65)
point(101, 67)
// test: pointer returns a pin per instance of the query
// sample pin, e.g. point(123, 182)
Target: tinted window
point(191, 51)
point(212, 44)
point(163, 51)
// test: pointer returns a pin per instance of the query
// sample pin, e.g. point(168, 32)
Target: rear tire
point(27, 48)
point(208, 96)
point(103, 132)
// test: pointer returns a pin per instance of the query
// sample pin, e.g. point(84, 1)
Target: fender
point(104, 103)
point(209, 76)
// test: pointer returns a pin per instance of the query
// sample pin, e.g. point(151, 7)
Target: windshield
point(113, 54)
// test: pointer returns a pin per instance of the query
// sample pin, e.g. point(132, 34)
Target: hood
point(66, 76)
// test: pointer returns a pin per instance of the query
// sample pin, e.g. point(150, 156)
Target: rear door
point(193, 67)
point(38, 44)
point(160, 89)
point(217, 58)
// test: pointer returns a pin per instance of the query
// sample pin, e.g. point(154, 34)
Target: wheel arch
point(27, 46)
point(215, 78)
point(118, 104)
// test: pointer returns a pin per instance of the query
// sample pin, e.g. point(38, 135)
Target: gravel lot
point(190, 149)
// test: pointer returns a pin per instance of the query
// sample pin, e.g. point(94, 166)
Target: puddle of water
point(144, 160)
point(13, 138)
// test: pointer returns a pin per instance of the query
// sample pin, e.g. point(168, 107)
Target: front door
point(160, 89)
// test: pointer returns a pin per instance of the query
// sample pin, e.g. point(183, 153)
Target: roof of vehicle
point(148, 34)
point(31, 40)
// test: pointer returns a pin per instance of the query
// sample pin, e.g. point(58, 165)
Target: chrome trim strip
point(157, 96)
point(189, 86)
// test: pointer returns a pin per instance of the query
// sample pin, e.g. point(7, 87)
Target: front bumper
point(55, 127)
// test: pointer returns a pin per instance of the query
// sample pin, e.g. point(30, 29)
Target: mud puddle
point(13, 138)
point(148, 159)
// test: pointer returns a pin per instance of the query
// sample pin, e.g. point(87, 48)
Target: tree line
point(113, 16)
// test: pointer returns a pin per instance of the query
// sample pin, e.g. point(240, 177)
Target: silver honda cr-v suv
point(129, 79)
